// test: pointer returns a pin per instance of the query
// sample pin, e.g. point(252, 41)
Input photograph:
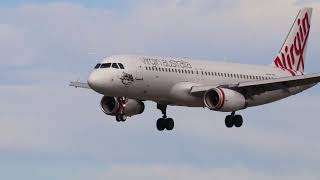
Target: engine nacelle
point(225, 100)
point(113, 106)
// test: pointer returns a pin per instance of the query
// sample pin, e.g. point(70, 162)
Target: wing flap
point(258, 87)
point(286, 81)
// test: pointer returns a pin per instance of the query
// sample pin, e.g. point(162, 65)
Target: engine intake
point(113, 106)
point(225, 100)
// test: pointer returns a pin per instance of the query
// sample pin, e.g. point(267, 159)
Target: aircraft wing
point(257, 87)
point(78, 84)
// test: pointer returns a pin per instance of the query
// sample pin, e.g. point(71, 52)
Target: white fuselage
point(169, 80)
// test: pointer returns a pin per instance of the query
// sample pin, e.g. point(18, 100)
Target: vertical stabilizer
point(293, 52)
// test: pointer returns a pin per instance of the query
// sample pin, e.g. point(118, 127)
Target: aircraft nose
point(95, 82)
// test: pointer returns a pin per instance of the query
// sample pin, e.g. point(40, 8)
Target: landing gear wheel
point(121, 118)
point(229, 121)
point(161, 124)
point(169, 124)
point(238, 121)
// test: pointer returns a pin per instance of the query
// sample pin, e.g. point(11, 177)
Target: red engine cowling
point(115, 106)
point(225, 100)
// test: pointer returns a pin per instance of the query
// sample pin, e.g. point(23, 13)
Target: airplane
point(127, 81)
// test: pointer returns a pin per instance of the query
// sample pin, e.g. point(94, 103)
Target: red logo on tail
point(287, 60)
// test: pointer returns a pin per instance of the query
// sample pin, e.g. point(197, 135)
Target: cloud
point(307, 2)
point(55, 33)
point(188, 172)
point(44, 46)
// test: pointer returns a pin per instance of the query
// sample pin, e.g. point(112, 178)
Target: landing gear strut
point(234, 120)
point(121, 117)
point(164, 122)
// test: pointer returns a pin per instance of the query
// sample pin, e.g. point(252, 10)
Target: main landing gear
point(233, 120)
point(164, 122)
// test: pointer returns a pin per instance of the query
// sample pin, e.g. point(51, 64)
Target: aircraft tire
point(238, 121)
point(161, 124)
point(169, 124)
point(229, 121)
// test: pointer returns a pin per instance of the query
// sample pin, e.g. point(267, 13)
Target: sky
point(49, 130)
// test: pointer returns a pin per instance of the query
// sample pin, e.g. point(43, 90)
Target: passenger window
point(115, 65)
point(121, 66)
point(97, 66)
point(105, 65)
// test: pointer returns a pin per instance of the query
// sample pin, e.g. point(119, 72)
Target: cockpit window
point(105, 65)
point(121, 66)
point(115, 65)
point(97, 66)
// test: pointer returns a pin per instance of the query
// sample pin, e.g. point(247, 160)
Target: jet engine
point(225, 100)
point(115, 106)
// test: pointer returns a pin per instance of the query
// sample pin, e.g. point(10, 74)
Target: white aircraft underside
point(128, 80)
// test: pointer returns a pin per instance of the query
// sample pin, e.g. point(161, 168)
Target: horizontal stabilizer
point(78, 84)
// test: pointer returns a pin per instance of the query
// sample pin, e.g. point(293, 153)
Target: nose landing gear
point(164, 122)
point(233, 120)
point(121, 117)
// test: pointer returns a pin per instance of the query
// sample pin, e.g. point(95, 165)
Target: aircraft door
point(199, 75)
point(139, 73)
